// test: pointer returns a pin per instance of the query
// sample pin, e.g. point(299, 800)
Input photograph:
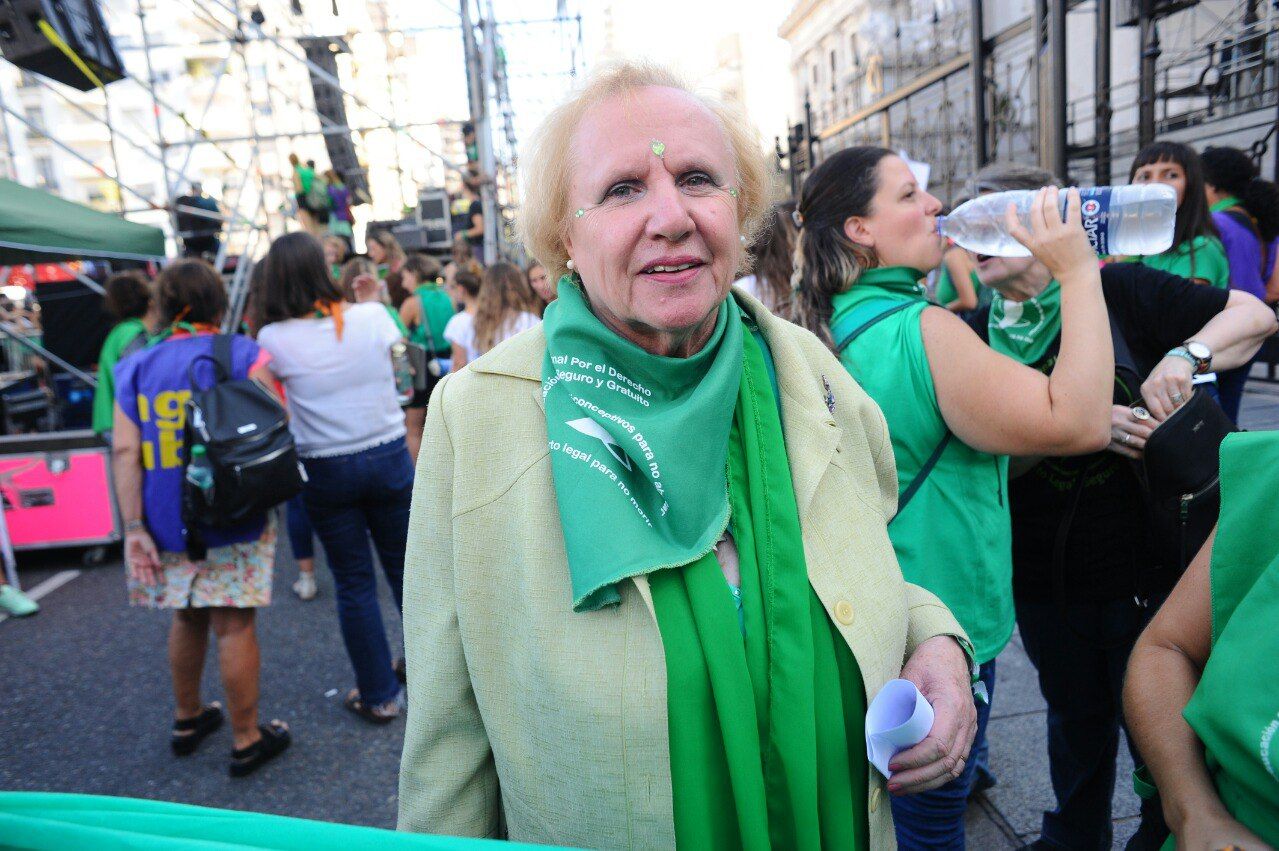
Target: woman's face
point(540, 281)
point(657, 242)
point(376, 252)
point(1166, 172)
point(902, 224)
point(332, 252)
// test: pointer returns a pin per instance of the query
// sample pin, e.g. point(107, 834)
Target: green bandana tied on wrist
point(638, 445)
point(1024, 330)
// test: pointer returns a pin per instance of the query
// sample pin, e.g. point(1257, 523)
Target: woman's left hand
point(1168, 387)
point(939, 669)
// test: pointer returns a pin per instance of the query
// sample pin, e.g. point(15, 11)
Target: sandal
point(275, 741)
point(189, 732)
point(384, 714)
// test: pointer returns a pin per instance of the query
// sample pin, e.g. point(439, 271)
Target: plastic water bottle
point(200, 474)
point(1135, 220)
point(403, 373)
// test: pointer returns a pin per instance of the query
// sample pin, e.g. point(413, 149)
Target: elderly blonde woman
point(680, 646)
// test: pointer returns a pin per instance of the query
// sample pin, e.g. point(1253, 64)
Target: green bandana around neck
point(1224, 204)
point(1024, 330)
point(639, 445)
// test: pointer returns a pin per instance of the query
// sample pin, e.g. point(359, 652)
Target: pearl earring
point(743, 238)
point(569, 263)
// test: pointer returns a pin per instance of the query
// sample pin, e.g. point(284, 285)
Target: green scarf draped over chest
point(1024, 330)
point(766, 727)
point(638, 445)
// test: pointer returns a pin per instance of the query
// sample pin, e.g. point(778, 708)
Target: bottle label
point(1095, 209)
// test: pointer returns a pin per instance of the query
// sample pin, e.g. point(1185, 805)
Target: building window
point(834, 74)
point(46, 177)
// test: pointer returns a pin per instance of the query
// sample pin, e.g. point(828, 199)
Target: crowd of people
point(658, 541)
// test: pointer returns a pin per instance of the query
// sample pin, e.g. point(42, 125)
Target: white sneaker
point(305, 586)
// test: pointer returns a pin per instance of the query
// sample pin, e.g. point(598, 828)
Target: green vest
point(1203, 258)
point(1235, 709)
point(955, 536)
point(436, 311)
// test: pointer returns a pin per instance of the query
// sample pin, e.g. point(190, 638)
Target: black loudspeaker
point(77, 22)
point(74, 321)
point(409, 233)
point(433, 216)
point(322, 53)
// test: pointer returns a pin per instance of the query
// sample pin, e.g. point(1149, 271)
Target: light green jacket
point(529, 721)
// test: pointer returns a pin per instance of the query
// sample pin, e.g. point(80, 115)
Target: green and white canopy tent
point(36, 227)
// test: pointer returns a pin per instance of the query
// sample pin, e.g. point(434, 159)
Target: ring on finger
point(1125, 438)
point(1177, 398)
point(1141, 413)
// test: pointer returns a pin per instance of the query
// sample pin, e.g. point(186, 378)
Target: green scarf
point(1225, 204)
point(765, 732)
point(1024, 330)
point(874, 291)
point(638, 445)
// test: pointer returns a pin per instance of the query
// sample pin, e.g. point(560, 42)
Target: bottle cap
point(198, 449)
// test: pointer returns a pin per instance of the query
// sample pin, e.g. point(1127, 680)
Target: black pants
point(1081, 654)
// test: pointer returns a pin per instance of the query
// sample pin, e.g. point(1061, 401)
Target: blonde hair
point(548, 164)
point(504, 294)
point(351, 270)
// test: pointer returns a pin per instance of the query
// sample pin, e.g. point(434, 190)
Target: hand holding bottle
point(1061, 246)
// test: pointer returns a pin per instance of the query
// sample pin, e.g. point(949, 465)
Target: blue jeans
point(351, 498)
point(935, 819)
point(301, 535)
point(1081, 654)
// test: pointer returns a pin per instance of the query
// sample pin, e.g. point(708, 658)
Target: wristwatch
point(133, 526)
point(1202, 355)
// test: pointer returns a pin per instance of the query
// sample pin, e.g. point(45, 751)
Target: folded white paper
point(898, 718)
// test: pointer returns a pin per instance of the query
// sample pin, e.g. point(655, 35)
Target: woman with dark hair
point(464, 287)
point(222, 591)
point(955, 408)
point(507, 305)
point(1245, 209)
point(385, 251)
point(334, 358)
point(426, 312)
point(129, 300)
point(1196, 252)
point(772, 253)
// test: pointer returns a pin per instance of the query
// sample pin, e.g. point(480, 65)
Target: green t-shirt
point(955, 536)
point(1233, 710)
point(306, 176)
point(437, 310)
point(946, 292)
point(104, 394)
point(395, 317)
point(1202, 258)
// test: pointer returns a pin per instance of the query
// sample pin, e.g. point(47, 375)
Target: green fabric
point(36, 227)
point(766, 731)
point(1233, 710)
point(46, 820)
point(1202, 258)
point(395, 317)
point(946, 292)
point(955, 537)
point(306, 176)
point(1024, 330)
point(1225, 204)
point(437, 310)
point(638, 445)
point(104, 393)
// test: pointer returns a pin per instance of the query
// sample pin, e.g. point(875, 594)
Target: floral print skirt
point(236, 576)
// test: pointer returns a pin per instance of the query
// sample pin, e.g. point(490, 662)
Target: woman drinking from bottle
point(868, 235)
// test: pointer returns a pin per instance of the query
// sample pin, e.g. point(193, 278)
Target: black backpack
point(250, 451)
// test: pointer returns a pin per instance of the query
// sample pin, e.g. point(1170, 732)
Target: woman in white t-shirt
point(334, 359)
point(506, 306)
point(464, 288)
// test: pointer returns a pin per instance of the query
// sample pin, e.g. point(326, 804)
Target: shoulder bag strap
point(425, 322)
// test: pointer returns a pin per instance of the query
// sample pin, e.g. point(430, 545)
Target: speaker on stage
point(79, 25)
point(322, 52)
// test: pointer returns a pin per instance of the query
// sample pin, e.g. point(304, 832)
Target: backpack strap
point(221, 358)
point(867, 325)
point(931, 463)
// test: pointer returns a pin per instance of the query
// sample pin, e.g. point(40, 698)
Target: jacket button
point(844, 612)
point(875, 795)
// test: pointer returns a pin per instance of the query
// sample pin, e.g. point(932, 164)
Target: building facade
point(1075, 88)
